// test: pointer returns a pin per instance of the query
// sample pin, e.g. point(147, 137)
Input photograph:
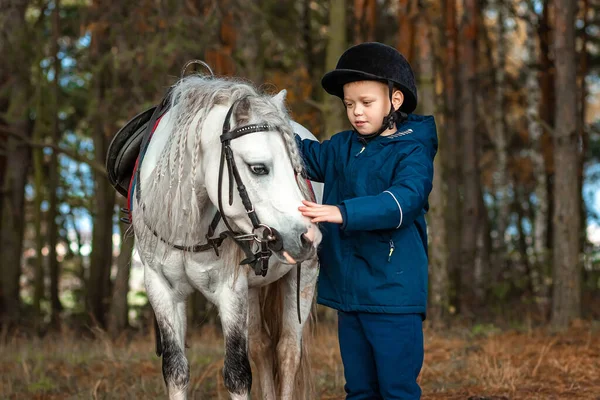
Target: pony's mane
point(173, 204)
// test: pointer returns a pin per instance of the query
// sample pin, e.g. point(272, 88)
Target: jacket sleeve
point(315, 156)
point(400, 204)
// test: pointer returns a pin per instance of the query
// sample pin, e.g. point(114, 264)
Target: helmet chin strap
point(389, 121)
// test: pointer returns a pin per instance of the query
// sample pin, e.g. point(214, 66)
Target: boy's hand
point(320, 212)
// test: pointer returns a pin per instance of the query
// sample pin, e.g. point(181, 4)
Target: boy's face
point(367, 103)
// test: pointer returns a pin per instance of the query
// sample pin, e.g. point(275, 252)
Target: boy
point(374, 250)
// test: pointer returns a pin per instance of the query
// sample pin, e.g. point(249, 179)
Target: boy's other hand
point(321, 212)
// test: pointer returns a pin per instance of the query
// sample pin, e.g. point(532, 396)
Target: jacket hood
point(421, 128)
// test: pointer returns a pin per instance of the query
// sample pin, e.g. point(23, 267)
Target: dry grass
point(533, 364)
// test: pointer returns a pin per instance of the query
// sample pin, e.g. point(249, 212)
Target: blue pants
point(382, 355)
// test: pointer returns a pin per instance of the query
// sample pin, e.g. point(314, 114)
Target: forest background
point(514, 224)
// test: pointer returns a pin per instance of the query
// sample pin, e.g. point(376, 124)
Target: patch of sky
point(491, 13)
point(85, 169)
point(488, 199)
point(29, 191)
point(85, 40)
point(70, 137)
point(512, 229)
point(594, 81)
point(591, 193)
point(64, 208)
point(86, 144)
point(68, 62)
point(45, 62)
point(527, 225)
point(510, 23)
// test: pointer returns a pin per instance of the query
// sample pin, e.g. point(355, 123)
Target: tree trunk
point(220, 58)
point(53, 174)
point(13, 33)
point(309, 51)
point(38, 216)
point(119, 310)
point(450, 136)
point(540, 265)
point(501, 181)
point(78, 267)
point(581, 112)
point(438, 252)
point(336, 45)
point(407, 11)
point(519, 199)
point(483, 252)
point(546, 110)
point(470, 210)
point(364, 20)
point(98, 283)
point(566, 301)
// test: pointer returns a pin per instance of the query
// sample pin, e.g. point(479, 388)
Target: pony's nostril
point(306, 242)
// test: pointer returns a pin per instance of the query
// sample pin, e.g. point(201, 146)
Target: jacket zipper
point(364, 146)
point(392, 247)
point(346, 272)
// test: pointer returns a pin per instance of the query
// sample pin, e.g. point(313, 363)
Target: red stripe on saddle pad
point(313, 197)
point(132, 181)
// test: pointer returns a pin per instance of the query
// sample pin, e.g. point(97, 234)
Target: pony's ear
point(279, 99)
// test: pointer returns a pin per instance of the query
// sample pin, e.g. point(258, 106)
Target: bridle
point(269, 240)
point(265, 237)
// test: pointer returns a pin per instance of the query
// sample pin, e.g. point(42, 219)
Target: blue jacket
point(376, 261)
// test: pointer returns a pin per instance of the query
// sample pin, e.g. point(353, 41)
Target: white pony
point(219, 133)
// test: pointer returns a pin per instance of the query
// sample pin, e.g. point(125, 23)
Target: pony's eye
point(259, 169)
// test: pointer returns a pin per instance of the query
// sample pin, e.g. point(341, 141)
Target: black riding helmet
point(374, 61)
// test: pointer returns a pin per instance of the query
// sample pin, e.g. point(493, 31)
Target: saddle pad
point(138, 162)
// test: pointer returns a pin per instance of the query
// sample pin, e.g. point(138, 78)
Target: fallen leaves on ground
point(459, 364)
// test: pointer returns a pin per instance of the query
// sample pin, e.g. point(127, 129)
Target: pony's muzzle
point(300, 243)
point(307, 244)
point(303, 249)
point(311, 233)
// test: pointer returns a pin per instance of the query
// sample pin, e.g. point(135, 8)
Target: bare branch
point(95, 165)
point(544, 124)
point(484, 116)
point(319, 106)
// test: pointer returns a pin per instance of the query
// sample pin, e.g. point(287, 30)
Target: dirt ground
point(478, 363)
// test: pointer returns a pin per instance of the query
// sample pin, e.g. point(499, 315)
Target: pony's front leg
point(233, 310)
point(260, 346)
point(169, 308)
point(289, 348)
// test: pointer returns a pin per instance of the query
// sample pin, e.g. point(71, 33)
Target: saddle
point(129, 143)
point(124, 149)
